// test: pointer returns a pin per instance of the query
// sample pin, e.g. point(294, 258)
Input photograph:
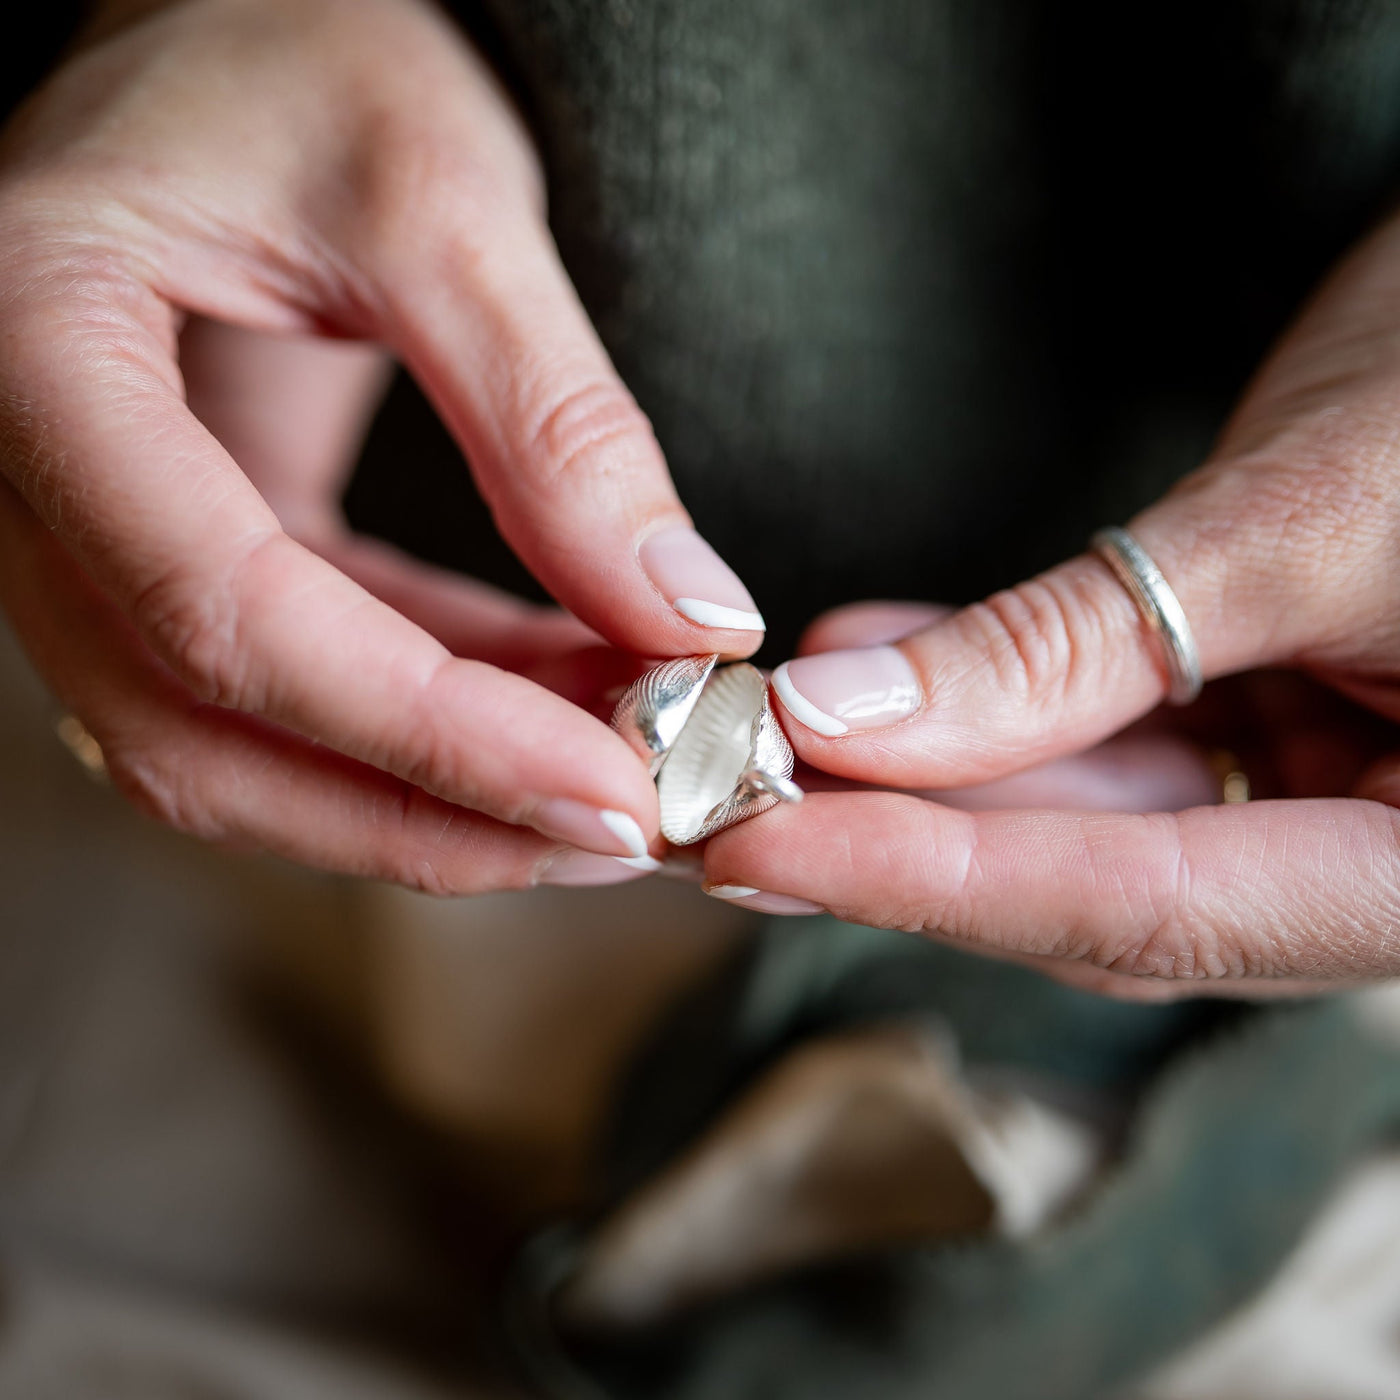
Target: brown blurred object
point(847, 1144)
point(506, 1021)
point(1234, 781)
point(233, 1091)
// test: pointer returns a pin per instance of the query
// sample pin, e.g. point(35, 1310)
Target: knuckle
point(1172, 952)
point(424, 875)
point(435, 766)
point(1041, 638)
point(577, 431)
point(197, 624)
point(159, 785)
point(195, 630)
point(1148, 919)
point(1307, 509)
point(1164, 952)
point(422, 201)
point(433, 149)
point(61, 240)
point(442, 764)
point(1296, 527)
point(445, 878)
point(441, 852)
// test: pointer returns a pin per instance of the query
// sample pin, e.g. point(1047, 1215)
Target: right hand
point(194, 210)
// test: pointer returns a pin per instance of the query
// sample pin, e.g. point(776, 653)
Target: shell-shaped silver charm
point(654, 708)
point(714, 745)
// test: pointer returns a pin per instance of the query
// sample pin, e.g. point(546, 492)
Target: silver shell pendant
point(712, 743)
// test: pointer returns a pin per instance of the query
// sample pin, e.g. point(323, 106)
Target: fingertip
point(699, 586)
point(603, 831)
point(801, 709)
point(584, 869)
point(729, 645)
point(835, 692)
point(763, 901)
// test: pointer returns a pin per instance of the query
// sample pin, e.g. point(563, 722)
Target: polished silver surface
point(654, 708)
point(714, 744)
point(784, 789)
point(1161, 609)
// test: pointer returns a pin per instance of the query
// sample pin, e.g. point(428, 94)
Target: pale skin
point(1284, 548)
point(220, 219)
point(216, 221)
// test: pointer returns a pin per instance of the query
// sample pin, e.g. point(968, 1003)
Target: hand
point(1282, 549)
point(211, 220)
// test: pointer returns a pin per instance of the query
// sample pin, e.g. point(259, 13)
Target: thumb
point(1043, 669)
point(1049, 667)
point(1280, 550)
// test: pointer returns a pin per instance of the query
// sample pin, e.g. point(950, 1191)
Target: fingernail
point(696, 581)
point(764, 901)
point(838, 691)
point(585, 868)
point(591, 828)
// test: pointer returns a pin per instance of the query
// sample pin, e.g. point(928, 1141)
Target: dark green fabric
point(917, 292)
point(811, 977)
point(1240, 1124)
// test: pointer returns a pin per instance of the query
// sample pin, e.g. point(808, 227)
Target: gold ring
point(1234, 781)
point(75, 736)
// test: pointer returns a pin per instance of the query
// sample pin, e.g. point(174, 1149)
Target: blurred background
point(264, 1132)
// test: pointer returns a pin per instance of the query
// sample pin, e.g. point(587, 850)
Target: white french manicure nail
point(648, 863)
point(579, 869)
point(626, 830)
point(716, 615)
point(597, 829)
point(696, 581)
point(802, 709)
point(834, 692)
point(764, 901)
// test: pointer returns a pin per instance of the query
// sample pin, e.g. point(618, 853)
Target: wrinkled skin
point(217, 222)
point(1284, 548)
point(221, 218)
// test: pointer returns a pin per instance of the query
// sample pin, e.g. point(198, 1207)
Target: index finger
point(568, 462)
point(95, 434)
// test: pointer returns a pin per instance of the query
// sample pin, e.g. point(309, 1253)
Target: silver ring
point(1161, 609)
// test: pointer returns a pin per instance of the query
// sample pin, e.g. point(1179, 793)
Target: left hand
point(1283, 551)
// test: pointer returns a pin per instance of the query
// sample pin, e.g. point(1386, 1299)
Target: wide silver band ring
point(1161, 609)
